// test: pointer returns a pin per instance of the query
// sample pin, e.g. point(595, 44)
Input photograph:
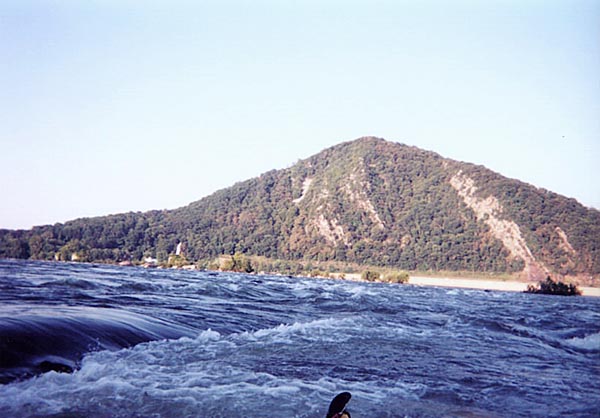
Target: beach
point(483, 284)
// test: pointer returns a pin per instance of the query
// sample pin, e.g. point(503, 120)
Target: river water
point(82, 340)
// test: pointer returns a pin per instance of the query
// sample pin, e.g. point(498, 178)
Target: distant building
point(179, 250)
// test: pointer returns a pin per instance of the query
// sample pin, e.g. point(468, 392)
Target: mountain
point(367, 201)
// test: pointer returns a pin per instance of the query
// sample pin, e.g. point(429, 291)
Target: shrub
point(370, 275)
point(237, 263)
point(554, 287)
point(177, 261)
point(397, 277)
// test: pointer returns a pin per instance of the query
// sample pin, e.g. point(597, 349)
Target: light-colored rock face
point(356, 191)
point(331, 230)
point(322, 222)
point(565, 245)
point(488, 210)
point(305, 187)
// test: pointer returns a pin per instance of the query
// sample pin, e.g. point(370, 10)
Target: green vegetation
point(396, 277)
point(388, 277)
point(237, 263)
point(370, 276)
point(554, 287)
point(368, 203)
point(177, 261)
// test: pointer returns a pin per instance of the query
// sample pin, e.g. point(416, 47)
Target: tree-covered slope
point(367, 201)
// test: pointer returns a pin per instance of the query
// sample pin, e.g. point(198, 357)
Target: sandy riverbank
point(509, 286)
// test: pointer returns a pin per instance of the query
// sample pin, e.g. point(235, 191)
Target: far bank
point(484, 284)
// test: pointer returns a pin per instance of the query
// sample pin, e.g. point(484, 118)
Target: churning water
point(80, 340)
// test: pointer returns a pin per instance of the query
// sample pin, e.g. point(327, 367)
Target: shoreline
point(417, 280)
point(484, 284)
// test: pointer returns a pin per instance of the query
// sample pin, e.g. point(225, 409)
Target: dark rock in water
point(48, 366)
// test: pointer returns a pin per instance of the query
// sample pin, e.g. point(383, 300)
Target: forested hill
point(367, 201)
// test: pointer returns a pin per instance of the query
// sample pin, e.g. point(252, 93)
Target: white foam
point(589, 342)
point(208, 335)
point(326, 329)
point(189, 375)
point(358, 291)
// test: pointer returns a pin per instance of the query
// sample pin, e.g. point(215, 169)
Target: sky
point(116, 106)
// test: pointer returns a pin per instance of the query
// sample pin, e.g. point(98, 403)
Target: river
point(84, 340)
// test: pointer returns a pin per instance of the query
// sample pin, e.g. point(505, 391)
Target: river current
point(83, 340)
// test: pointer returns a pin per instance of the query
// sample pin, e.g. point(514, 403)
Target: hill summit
point(367, 201)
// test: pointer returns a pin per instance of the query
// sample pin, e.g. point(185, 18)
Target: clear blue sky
point(112, 106)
